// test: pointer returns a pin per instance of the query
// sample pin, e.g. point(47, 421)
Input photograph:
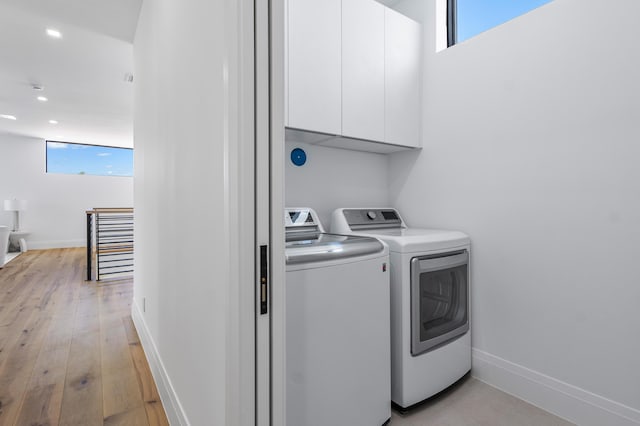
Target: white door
point(276, 207)
point(263, 278)
point(269, 204)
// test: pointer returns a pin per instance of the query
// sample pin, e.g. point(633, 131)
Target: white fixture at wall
point(4, 243)
point(15, 206)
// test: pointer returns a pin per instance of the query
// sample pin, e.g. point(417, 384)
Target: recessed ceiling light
point(54, 33)
point(53, 121)
point(8, 117)
point(42, 99)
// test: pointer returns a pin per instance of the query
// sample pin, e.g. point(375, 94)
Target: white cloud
point(57, 145)
point(103, 154)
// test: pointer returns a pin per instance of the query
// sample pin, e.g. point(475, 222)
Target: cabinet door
point(363, 69)
point(402, 80)
point(314, 65)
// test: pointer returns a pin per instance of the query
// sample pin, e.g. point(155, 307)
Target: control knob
point(371, 215)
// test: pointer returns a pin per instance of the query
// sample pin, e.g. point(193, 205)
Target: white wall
point(333, 178)
point(56, 203)
point(187, 208)
point(531, 147)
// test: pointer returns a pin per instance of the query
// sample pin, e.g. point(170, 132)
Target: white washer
point(337, 322)
point(430, 300)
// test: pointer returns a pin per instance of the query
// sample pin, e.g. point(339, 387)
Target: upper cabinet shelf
point(353, 75)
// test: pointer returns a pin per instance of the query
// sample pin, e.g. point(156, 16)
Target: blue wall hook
point(298, 156)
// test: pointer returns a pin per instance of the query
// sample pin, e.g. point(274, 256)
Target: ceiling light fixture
point(54, 33)
point(53, 121)
point(42, 99)
point(8, 117)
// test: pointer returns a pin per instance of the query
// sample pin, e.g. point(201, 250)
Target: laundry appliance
point(430, 299)
point(337, 326)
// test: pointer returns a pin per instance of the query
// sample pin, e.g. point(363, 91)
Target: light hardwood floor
point(69, 352)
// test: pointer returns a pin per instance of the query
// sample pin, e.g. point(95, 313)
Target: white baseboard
point(8, 258)
point(562, 399)
point(42, 245)
point(171, 403)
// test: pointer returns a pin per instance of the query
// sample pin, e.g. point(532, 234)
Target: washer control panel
point(301, 217)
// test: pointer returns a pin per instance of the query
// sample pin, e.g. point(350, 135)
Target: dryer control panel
point(371, 218)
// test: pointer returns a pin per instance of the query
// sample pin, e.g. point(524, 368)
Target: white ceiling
point(114, 18)
point(82, 73)
point(389, 3)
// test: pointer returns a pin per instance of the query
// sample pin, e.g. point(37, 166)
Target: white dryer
point(337, 322)
point(430, 300)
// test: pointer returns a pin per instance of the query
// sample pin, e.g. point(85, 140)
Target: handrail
point(112, 230)
point(111, 210)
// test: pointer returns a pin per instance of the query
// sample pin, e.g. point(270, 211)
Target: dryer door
point(439, 299)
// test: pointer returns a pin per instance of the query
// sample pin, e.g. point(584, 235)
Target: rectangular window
point(81, 159)
point(468, 18)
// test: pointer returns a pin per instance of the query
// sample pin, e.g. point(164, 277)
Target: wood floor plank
point(122, 398)
point(20, 296)
point(82, 395)
point(19, 358)
point(150, 396)
point(133, 417)
point(69, 353)
point(143, 373)
point(15, 280)
point(155, 413)
point(43, 398)
point(18, 366)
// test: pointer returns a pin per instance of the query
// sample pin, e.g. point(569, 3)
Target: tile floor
point(474, 403)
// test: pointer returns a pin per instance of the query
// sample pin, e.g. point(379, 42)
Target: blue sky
point(88, 159)
point(476, 16)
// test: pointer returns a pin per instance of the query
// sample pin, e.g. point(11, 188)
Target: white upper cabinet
point(353, 69)
point(313, 55)
point(402, 80)
point(363, 105)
